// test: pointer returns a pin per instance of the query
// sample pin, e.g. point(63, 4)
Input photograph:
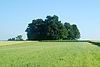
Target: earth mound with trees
point(52, 29)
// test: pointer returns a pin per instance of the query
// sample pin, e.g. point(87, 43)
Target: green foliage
point(73, 31)
point(65, 41)
point(11, 39)
point(95, 43)
point(70, 31)
point(36, 30)
point(55, 29)
point(76, 33)
point(18, 38)
point(49, 54)
point(50, 29)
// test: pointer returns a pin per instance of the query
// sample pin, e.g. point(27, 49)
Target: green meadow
point(49, 54)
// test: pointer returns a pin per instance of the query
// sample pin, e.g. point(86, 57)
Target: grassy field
point(5, 43)
point(49, 54)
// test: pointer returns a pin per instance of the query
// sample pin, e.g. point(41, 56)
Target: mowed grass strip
point(50, 54)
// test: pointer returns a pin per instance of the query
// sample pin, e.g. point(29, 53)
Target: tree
point(36, 30)
point(50, 29)
point(19, 38)
point(70, 31)
point(55, 29)
point(75, 32)
point(12, 39)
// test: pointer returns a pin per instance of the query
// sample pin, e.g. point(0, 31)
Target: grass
point(5, 43)
point(49, 54)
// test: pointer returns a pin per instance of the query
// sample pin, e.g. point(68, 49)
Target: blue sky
point(16, 14)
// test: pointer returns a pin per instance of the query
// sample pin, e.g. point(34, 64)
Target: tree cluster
point(51, 29)
point(18, 38)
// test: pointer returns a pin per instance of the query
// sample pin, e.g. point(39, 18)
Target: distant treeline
point(18, 38)
point(52, 29)
point(95, 43)
point(64, 40)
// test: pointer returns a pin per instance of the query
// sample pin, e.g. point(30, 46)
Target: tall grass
point(50, 54)
point(5, 43)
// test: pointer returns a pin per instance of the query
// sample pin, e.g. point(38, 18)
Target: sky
point(15, 15)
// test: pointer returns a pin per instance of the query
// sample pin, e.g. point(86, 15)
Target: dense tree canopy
point(69, 30)
point(76, 33)
point(51, 29)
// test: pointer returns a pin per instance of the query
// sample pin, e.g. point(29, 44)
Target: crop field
point(7, 43)
point(49, 54)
